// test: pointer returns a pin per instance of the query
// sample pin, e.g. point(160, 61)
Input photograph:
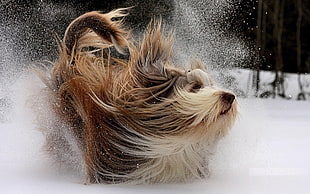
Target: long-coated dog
point(133, 119)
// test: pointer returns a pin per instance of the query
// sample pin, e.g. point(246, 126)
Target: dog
point(134, 116)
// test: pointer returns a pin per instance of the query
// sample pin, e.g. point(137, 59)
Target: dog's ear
point(93, 28)
point(153, 57)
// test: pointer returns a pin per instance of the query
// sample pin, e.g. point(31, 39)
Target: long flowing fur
point(140, 120)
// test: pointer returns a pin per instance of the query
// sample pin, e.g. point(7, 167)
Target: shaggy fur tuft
point(139, 120)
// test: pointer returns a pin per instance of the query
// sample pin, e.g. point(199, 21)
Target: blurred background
point(252, 35)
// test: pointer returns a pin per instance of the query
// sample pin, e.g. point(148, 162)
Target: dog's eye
point(196, 87)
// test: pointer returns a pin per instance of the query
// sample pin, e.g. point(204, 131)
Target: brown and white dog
point(135, 120)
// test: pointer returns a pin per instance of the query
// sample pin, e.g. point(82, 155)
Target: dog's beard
point(140, 120)
point(210, 114)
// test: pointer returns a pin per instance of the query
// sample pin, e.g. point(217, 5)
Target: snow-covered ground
point(267, 151)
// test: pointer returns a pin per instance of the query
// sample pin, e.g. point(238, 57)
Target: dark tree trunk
point(301, 95)
point(259, 46)
point(278, 84)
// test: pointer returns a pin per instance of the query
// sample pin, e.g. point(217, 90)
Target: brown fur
point(128, 118)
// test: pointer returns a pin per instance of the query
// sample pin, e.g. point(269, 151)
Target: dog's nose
point(228, 98)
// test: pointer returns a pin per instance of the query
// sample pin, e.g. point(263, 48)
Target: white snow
point(267, 151)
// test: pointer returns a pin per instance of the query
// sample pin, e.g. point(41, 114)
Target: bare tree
point(259, 45)
point(278, 83)
point(301, 95)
